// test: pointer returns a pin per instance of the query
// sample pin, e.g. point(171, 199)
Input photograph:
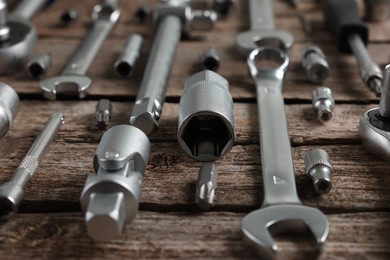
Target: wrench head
point(65, 84)
point(250, 40)
point(17, 51)
point(258, 225)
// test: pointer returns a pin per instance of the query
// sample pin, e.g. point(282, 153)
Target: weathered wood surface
point(169, 225)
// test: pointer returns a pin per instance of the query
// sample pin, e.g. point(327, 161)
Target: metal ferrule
point(111, 196)
point(206, 117)
point(323, 103)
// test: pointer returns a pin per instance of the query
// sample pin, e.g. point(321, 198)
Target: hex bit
point(11, 192)
point(206, 185)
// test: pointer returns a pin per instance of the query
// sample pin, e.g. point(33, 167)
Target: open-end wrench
point(282, 210)
point(262, 31)
point(172, 17)
point(73, 80)
point(18, 37)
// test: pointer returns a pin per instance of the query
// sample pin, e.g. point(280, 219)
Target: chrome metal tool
point(128, 57)
point(206, 117)
point(38, 66)
point(206, 185)
point(281, 210)
point(172, 17)
point(323, 103)
point(72, 79)
point(343, 19)
point(319, 169)
point(111, 196)
point(206, 128)
point(262, 31)
point(315, 64)
point(210, 59)
point(11, 192)
point(18, 37)
point(9, 104)
point(69, 16)
point(374, 124)
point(103, 113)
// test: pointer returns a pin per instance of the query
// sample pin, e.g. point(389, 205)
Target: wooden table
point(50, 224)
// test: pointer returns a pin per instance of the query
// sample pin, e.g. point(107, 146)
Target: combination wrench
point(73, 80)
point(262, 31)
point(282, 210)
point(173, 17)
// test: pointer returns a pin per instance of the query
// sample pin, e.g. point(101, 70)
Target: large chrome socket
point(206, 117)
point(111, 196)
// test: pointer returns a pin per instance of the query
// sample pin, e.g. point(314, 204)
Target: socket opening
point(7, 208)
point(325, 116)
point(211, 63)
point(323, 186)
point(36, 70)
point(206, 136)
point(123, 68)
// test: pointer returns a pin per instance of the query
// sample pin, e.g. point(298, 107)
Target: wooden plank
point(360, 183)
point(106, 83)
point(81, 126)
point(184, 236)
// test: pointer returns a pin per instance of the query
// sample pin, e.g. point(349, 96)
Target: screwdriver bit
point(103, 113)
point(206, 185)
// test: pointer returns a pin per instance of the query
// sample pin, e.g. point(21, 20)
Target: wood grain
point(185, 236)
point(169, 225)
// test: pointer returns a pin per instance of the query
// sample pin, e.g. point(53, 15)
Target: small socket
point(127, 59)
point(323, 103)
point(142, 14)
point(210, 59)
point(38, 66)
point(315, 64)
point(103, 113)
point(69, 16)
point(319, 169)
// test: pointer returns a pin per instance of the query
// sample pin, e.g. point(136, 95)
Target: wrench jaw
point(272, 55)
point(374, 139)
point(258, 226)
point(65, 84)
point(246, 42)
point(107, 11)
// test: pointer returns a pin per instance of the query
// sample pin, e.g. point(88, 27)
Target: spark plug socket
point(206, 117)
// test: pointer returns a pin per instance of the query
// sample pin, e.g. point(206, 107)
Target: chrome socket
point(319, 169)
point(315, 64)
point(323, 103)
point(206, 117)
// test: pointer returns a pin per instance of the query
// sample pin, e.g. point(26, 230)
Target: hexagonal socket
point(206, 117)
